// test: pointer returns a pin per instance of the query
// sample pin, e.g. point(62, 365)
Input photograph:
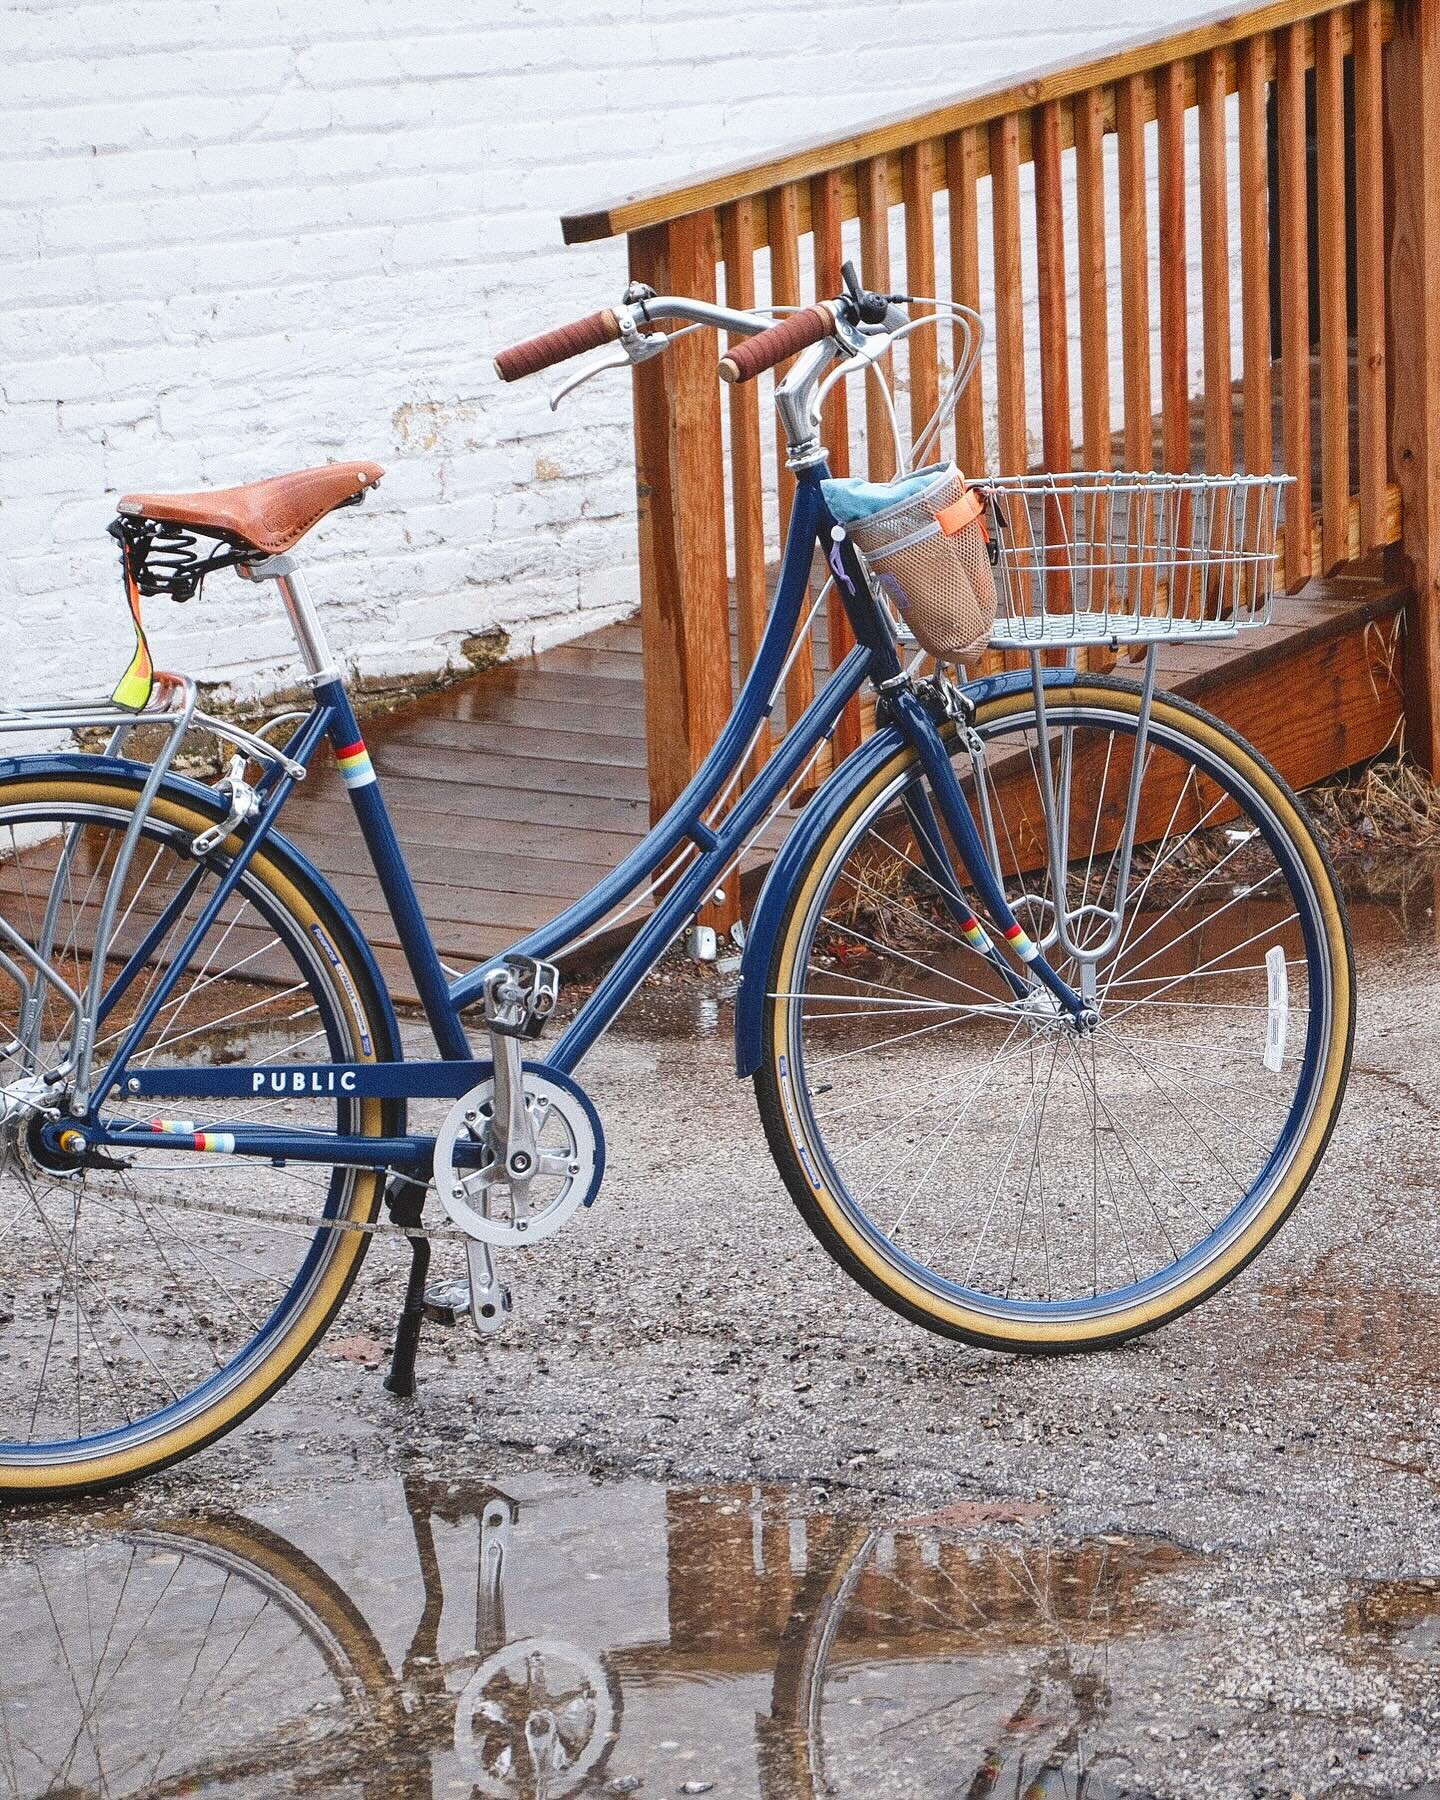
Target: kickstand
point(405, 1201)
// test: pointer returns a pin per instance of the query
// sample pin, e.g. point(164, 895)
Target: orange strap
point(960, 513)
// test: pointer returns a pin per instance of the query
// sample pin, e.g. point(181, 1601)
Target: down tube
point(692, 887)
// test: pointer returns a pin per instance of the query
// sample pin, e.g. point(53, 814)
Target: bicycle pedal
point(520, 995)
point(482, 1296)
point(447, 1302)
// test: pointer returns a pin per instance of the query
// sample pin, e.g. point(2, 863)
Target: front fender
point(278, 849)
point(806, 835)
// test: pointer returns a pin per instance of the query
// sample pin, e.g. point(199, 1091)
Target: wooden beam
point(746, 469)
point(829, 254)
point(887, 136)
point(1134, 280)
point(1215, 269)
point(1334, 326)
point(784, 215)
point(1173, 270)
point(1259, 429)
point(872, 180)
point(680, 485)
point(1050, 286)
point(961, 173)
point(1294, 301)
point(1412, 79)
point(917, 188)
point(1373, 445)
point(1009, 296)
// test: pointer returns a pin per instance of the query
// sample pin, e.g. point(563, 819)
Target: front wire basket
point(1122, 558)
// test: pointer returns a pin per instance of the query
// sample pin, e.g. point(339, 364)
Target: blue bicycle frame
point(874, 659)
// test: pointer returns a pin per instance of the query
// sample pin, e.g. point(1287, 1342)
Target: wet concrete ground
point(707, 1515)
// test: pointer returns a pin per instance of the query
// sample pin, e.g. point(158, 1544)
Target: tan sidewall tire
point(308, 1324)
point(825, 1213)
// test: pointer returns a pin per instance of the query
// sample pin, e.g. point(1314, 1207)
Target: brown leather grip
point(557, 346)
point(775, 343)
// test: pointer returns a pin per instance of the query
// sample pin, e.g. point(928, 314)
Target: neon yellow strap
point(135, 686)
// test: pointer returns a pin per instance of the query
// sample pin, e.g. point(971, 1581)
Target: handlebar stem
point(795, 403)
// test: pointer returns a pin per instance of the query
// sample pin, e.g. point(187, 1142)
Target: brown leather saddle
point(266, 516)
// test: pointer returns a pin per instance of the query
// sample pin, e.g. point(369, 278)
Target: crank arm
point(489, 1297)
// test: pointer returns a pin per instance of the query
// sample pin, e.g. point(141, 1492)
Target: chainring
point(483, 1201)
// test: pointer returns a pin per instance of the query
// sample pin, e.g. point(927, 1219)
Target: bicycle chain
point(439, 1234)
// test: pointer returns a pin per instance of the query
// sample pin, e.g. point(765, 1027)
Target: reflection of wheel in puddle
point(535, 1718)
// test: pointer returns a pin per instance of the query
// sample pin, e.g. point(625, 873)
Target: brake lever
point(635, 346)
point(612, 359)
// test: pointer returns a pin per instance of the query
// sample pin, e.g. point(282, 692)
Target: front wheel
point(978, 1164)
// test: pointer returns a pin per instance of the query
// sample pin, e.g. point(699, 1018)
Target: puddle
point(554, 1637)
point(1379, 1334)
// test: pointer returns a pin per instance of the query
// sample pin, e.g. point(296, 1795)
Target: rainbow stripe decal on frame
point(976, 936)
point(1016, 938)
point(355, 764)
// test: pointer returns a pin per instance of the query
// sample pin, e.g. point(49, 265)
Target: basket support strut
point(1057, 822)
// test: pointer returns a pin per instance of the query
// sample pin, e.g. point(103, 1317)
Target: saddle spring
point(164, 559)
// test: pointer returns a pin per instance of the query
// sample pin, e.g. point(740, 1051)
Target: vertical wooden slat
point(873, 197)
point(1370, 272)
point(1334, 321)
point(1050, 283)
point(1094, 289)
point(1255, 257)
point(1294, 297)
point(1094, 301)
point(962, 159)
point(1134, 272)
point(737, 234)
point(1009, 297)
point(1174, 304)
point(1211, 77)
point(917, 185)
point(680, 479)
point(783, 218)
point(1412, 72)
point(829, 254)
point(1054, 331)
point(1135, 305)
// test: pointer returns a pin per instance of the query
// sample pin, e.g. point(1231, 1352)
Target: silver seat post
point(284, 571)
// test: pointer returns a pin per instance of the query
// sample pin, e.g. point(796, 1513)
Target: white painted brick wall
point(241, 236)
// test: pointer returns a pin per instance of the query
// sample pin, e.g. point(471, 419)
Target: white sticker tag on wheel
point(1277, 1022)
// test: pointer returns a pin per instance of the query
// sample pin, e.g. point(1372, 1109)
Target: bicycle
point(1075, 1121)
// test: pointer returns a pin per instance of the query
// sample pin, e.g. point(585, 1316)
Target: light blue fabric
point(852, 500)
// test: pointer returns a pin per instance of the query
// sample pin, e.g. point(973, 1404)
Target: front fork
point(980, 856)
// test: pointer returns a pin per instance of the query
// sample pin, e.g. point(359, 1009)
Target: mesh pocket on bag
point(930, 557)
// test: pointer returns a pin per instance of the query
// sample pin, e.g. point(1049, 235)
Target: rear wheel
point(974, 1161)
point(147, 1308)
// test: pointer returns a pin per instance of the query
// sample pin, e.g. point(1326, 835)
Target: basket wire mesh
point(1100, 557)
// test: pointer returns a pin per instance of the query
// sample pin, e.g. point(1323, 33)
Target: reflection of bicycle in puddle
point(213, 1656)
point(1027, 1629)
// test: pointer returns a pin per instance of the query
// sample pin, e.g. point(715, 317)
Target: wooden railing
point(1291, 147)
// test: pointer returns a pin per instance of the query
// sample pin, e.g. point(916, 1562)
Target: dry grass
point(1389, 804)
